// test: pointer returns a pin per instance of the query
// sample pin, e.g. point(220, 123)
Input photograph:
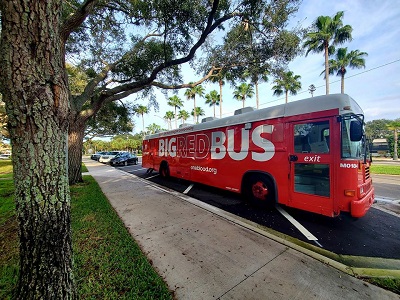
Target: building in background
point(380, 147)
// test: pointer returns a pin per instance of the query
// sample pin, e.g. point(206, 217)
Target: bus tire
point(164, 170)
point(260, 190)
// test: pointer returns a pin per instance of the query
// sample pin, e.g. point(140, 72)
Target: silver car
point(105, 158)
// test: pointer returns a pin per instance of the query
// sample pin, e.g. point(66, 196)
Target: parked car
point(124, 158)
point(105, 158)
point(97, 155)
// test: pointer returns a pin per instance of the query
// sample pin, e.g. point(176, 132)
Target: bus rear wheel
point(259, 190)
point(164, 170)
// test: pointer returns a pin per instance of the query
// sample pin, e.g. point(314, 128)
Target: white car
point(105, 158)
point(5, 156)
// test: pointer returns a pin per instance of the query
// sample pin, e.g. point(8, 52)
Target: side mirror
point(356, 131)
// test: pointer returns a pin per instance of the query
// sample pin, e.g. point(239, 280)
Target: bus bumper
point(360, 207)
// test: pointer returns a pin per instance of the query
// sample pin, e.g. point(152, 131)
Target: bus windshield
point(352, 143)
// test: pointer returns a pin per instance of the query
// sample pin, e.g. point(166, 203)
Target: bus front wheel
point(164, 170)
point(259, 190)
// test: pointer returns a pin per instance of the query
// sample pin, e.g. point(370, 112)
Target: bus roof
point(343, 102)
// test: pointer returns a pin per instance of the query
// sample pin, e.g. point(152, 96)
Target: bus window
point(311, 137)
point(350, 148)
point(325, 136)
point(312, 179)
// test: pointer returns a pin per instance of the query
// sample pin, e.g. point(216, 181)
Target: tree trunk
point(342, 84)
point(327, 68)
point(395, 153)
point(34, 88)
point(176, 121)
point(75, 145)
point(143, 125)
point(194, 111)
point(220, 98)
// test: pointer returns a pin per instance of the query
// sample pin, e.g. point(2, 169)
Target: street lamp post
point(312, 89)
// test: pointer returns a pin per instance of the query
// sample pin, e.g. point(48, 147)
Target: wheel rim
point(164, 171)
point(260, 190)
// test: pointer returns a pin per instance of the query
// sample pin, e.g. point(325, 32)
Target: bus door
point(152, 152)
point(310, 159)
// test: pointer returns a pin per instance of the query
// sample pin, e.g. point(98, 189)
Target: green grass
point(385, 169)
point(391, 284)
point(84, 169)
point(8, 232)
point(108, 264)
point(5, 168)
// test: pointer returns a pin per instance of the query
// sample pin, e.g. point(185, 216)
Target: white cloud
point(383, 108)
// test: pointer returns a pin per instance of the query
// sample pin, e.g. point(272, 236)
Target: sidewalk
point(202, 255)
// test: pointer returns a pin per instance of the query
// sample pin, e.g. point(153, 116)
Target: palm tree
point(169, 115)
point(219, 78)
point(395, 126)
point(328, 32)
point(353, 59)
point(175, 102)
point(256, 75)
point(141, 110)
point(153, 128)
point(286, 83)
point(213, 99)
point(198, 112)
point(243, 91)
point(191, 94)
point(183, 115)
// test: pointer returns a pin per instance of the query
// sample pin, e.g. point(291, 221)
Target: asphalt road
point(387, 186)
point(374, 235)
point(386, 161)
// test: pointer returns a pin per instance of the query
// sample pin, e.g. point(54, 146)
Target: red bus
point(309, 154)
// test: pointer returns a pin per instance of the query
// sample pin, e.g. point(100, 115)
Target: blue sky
point(376, 88)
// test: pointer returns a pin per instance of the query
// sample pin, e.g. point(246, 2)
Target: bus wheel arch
point(164, 169)
point(259, 188)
